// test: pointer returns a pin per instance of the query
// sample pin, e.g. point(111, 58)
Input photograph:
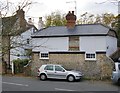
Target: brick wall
point(101, 68)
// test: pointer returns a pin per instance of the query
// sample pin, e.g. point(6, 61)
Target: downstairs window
point(90, 56)
point(44, 55)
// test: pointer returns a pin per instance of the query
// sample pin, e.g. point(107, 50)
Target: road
point(11, 83)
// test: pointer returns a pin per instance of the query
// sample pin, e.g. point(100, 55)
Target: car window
point(49, 67)
point(58, 68)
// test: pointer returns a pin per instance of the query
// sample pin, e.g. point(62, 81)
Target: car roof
point(52, 64)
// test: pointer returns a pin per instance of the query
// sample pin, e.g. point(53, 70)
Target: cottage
point(84, 47)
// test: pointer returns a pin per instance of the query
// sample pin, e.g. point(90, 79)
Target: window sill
point(44, 58)
point(90, 60)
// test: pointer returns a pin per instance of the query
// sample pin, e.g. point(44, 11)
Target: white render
point(20, 44)
point(111, 44)
point(92, 44)
point(50, 44)
point(87, 44)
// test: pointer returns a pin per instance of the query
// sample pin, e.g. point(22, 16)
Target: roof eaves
point(69, 35)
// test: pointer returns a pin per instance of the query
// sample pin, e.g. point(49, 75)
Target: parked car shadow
point(62, 80)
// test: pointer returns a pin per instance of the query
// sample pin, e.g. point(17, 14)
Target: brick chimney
point(71, 20)
point(40, 23)
point(21, 17)
point(20, 12)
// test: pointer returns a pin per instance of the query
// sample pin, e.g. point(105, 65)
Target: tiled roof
point(81, 30)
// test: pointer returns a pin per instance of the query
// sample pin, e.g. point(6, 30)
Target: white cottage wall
point(92, 44)
point(111, 45)
point(50, 44)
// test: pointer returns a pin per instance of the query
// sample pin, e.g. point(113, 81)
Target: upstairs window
point(90, 56)
point(44, 55)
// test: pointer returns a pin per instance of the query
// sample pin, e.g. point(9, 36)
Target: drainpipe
point(12, 68)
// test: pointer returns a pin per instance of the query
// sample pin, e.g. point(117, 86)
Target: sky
point(41, 8)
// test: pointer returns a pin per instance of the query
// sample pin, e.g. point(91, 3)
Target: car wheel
point(43, 77)
point(71, 78)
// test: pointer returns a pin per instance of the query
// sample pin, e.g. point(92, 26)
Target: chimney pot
point(20, 15)
point(40, 23)
point(18, 7)
point(73, 12)
point(30, 21)
point(71, 20)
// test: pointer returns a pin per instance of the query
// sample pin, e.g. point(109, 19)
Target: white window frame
point(92, 58)
point(44, 53)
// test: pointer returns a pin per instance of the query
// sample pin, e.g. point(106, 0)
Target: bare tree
point(12, 26)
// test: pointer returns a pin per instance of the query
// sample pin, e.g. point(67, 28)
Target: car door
point(60, 72)
point(49, 70)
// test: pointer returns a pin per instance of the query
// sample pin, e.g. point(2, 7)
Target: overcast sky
point(44, 7)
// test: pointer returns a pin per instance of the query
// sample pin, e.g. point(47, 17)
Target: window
point(44, 55)
point(114, 69)
point(119, 66)
point(58, 68)
point(49, 67)
point(90, 56)
point(28, 41)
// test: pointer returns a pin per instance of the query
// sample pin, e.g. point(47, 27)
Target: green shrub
point(19, 65)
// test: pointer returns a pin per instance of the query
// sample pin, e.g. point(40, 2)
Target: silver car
point(116, 73)
point(58, 72)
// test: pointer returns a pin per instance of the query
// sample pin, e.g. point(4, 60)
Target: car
point(116, 73)
point(55, 71)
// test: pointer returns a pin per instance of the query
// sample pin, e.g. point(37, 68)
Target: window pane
point(44, 55)
point(90, 56)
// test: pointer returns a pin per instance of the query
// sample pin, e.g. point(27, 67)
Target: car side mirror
point(63, 70)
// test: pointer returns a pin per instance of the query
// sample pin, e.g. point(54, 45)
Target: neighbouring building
point(21, 44)
point(0, 43)
point(12, 27)
point(84, 47)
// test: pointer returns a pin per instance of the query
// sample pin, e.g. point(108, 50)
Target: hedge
point(19, 65)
